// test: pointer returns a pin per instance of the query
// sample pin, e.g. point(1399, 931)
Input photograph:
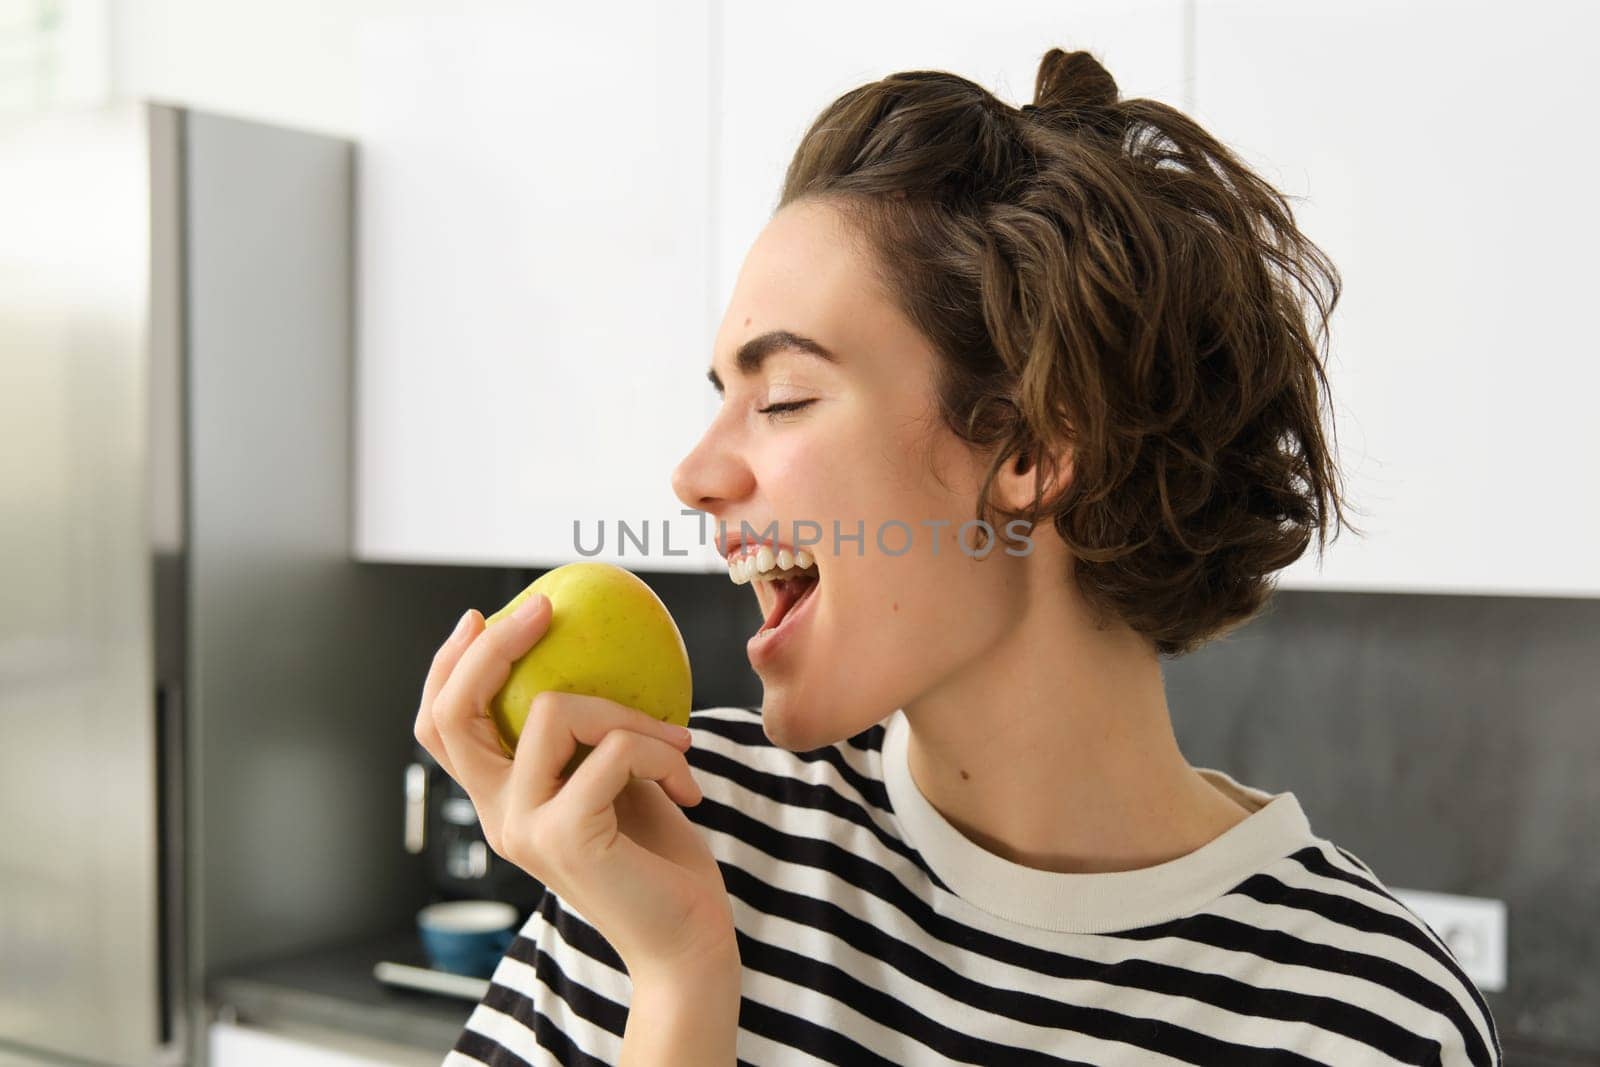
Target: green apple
point(609, 636)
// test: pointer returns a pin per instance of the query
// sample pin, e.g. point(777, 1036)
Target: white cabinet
point(555, 204)
point(554, 208)
point(232, 1045)
point(783, 63)
point(1443, 156)
point(535, 319)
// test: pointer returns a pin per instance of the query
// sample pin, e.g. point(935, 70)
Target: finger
point(449, 654)
point(558, 722)
point(444, 661)
point(460, 711)
point(618, 758)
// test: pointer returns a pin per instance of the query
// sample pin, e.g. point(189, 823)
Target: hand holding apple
point(607, 835)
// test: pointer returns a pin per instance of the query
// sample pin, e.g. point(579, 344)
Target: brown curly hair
point(1103, 276)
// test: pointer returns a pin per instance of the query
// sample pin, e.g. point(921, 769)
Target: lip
point(767, 645)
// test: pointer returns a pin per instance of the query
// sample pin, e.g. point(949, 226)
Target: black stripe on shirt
point(583, 1002)
point(827, 1045)
point(577, 933)
point(834, 1047)
point(1354, 862)
point(1314, 861)
point(595, 1008)
point(1281, 947)
point(487, 1050)
point(751, 735)
point(869, 877)
point(1049, 1013)
point(1346, 912)
point(793, 793)
point(868, 740)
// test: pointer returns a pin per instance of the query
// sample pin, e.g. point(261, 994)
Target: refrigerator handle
point(416, 808)
point(171, 860)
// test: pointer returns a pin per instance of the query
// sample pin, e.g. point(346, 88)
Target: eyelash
point(784, 408)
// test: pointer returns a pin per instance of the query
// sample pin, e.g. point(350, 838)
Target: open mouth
point(785, 581)
point(787, 594)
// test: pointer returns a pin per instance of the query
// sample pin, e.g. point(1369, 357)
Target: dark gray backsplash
point(1450, 742)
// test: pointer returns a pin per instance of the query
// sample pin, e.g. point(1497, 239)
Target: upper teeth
point(764, 563)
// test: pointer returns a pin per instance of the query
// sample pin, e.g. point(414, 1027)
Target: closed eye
point(785, 408)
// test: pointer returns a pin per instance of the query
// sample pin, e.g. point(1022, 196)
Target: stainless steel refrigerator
point(204, 701)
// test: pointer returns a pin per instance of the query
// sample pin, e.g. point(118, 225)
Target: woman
point(1015, 402)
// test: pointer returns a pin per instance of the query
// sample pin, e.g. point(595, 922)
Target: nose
point(713, 475)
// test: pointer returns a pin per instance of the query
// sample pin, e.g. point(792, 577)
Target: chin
point(790, 726)
point(780, 728)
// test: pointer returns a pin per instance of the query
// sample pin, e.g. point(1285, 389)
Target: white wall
point(290, 62)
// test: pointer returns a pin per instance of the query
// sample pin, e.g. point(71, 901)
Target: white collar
point(1093, 903)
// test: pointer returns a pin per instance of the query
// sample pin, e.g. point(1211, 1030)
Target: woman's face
point(886, 622)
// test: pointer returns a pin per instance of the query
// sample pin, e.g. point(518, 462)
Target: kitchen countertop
point(334, 987)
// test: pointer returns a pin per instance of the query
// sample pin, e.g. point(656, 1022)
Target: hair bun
point(1072, 82)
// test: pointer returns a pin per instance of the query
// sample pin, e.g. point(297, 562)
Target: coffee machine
point(442, 825)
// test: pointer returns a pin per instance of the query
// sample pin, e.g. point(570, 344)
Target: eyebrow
point(754, 352)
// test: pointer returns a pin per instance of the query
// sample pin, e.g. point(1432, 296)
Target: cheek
point(880, 472)
point(933, 592)
point(787, 470)
point(816, 475)
point(898, 625)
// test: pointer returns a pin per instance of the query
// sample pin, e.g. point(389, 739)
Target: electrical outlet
point(1473, 928)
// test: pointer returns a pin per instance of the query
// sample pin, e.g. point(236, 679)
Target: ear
point(1017, 480)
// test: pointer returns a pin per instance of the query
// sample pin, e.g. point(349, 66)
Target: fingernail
point(681, 734)
point(461, 627)
point(526, 609)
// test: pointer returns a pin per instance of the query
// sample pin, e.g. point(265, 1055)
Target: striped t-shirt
point(872, 931)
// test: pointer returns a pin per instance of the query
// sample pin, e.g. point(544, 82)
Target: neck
point(1054, 749)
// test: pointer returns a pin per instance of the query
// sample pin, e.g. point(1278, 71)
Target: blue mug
point(467, 936)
